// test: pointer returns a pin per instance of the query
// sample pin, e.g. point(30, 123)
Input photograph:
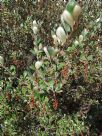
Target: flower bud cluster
point(69, 17)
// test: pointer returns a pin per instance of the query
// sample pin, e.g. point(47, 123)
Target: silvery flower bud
point(76, 12)
point(38, 64)
point(55, 38)
point(46, 52)
point(81, 38)
point(76, 42)
point(56, 50)
point(68, 18)
point(35, 30)
point(61, 34)
point(85, 32)
point(65, 25)
point(40, 46)
point(97, 20)
point(1, 60)
point(0, 89)
point(34, 23)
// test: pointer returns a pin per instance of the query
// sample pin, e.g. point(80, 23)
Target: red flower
point(32, 102)
point(55, 104)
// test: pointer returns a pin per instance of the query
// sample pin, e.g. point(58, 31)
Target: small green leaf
point(83, 58)
point(51, 51)
point(70, 6)
point(13, 69)
point(32, 67)
point(71, 49)
point(90, 58)
point(25, 74)
point(60, 65)
point(32, 51)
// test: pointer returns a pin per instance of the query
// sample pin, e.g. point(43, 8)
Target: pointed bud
point(38, 64)
point(34, 23)
point(55, 38)
point(1, 60)
point(40, 46)
point(56, 50)
point(85, 32)
point(81, 38)
point(35, 30)
point(61, 34)
point(76, 12)
point(46, 52)
point(68, 18)
point(76, 43)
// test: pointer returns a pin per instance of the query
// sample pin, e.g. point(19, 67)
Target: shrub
point(51, 75)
